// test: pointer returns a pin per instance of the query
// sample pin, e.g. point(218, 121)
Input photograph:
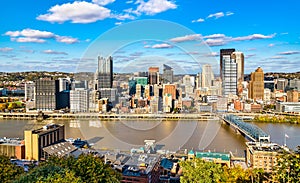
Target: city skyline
point(54, 36)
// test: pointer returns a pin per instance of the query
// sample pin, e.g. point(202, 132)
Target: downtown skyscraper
point(229, 76)
point(105, 73)
point(207, 76)
point(168, 74)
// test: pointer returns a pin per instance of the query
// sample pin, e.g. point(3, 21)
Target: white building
point(79, 100)
point(229, 76)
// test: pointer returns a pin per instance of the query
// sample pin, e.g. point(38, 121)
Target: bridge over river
point(249, 130)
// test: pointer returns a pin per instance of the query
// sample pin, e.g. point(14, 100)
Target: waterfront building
point(256, 86)
point(221, 105)
point(153, 75)
point(207, 76)
point(288, 107)
point(229, 76)
point(224, 52)
point(168, 74)
point(218, 158)
point(105, 72)
point(64, 84)
point(170, 89)
point(46, 92)
point(94, 96)
point(292, 96)
point(79, 100)
point(12, 148)
point(267, 95)
point(36, 140)
point(262, 155)
point(154, 104)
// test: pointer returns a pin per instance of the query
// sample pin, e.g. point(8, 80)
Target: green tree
point(201, 171)
point(8, 171)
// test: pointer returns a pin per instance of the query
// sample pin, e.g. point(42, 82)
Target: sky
point(68, 36)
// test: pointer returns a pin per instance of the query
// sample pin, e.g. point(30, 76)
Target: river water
point(169, 135)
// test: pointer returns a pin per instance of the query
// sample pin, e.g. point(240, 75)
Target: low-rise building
point(219, 158)
point(12, 148)
point(262, 155)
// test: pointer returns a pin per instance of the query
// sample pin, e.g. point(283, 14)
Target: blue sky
point(59, 35)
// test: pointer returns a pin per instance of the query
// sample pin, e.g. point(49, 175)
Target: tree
point(288, 168)
point(200, 171)
point(8, 171)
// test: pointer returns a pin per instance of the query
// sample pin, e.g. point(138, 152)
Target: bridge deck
point(251, 130)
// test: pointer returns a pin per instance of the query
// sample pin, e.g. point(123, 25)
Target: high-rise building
point(153, 75)
point(168, 74)
point(110, 93)
point(229, 76)
point(105, 72)
point(207, 75)
point(29, 91)
point(131, 86)
point(224, 52)
point(170, 89)
point(239, 59)
point(141, 80)
point(189, 84)
point(256, 86)
point(64, 84)
point(46, 94)
point(36, 140)
point(295, 84)
point(281, 84)
point(79, 100)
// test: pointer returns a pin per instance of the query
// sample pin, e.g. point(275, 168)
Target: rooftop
point(11, 141)
point(47, 128)
point(213, 155)
point(264, 147)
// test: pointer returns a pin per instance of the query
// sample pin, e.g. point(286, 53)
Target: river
point(169, 135)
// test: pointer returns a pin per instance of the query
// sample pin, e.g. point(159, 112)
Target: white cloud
point(123, 17)
point(76, 12)
point(6, 49)
point(215, 42)
point(215, 36)
point(153, 7)
point(229, 13)
point(27, 40)
point(66, 39)
point(277, 57)
point(103, 2)
point(147, 46)
point(118, 23)
point(271, 45)
point(129, 2)
point(163, 45)
point(37, 36)
point(191, 37)
point(198, 20)
point(289, 53)
point(253, 37)
point(30, 33)
point(216, 15)
point(54, 52)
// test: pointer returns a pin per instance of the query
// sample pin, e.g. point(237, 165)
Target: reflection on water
point(170, 135)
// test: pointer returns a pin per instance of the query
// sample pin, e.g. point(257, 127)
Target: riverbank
point(190, 116)
point(277, 119)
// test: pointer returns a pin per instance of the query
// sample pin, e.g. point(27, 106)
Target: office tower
point(36, 140)
point(110, 93)
point(281, 84)
point(64, 84)
point(79, 100)
point(295, 84)
point(168, 74)
point(141, 80)
point(207, 75)
point(147, 92)
point(239, 59)
point(170, 89)
point(46, 94)
point(105, 72)
point(167, 103)
point(229, 76)
point(153, 75)
point(256, 86)
point(199, 80)
point(189, 83)
point(224, 52)
point(29, 91)
point(131, 86)
point(138, 91)
point(154, 104)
